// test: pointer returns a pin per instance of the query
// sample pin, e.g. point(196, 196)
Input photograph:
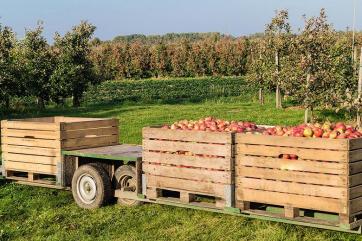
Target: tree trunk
point(306, 115)
point(359, 89)
point(278, 99)
point(76, 100)
point(41, 103)
point(261, 96)
point(7, 102)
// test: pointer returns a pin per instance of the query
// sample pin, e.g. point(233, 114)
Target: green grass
point(30, 213)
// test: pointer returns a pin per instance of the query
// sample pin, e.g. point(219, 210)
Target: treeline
point(182, 56)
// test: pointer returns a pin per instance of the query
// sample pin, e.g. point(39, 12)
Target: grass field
point(29, 213)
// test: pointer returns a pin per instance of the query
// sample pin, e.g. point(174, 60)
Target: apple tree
point(73, 71)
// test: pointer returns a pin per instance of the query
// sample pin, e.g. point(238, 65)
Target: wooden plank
point(355, 205)
point(30, 167)
point(292, 187)
point(186, 185)
point(195, 148)
point(355, 167)
point(31, 142)
point(296, 165)
point(192, 161)
point(188, 173)
point(355, 192)
point(187, 135)
point(275, 151)
point(293, 176)
point(31, 158)
point(300, 201)
point(287, 141)
point(87, 142)
point(355, 143)
point(106, 131)
point(50, 135)
point(355, 155)
point(25, 125)
point(30, 150)
point(89, 124)
point(355, 179)
point(74, 119)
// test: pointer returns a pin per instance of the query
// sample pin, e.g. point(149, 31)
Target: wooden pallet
point(189, 162)
point(186, 197)
point(30, 177)
point(327, 176)
point(34, 145)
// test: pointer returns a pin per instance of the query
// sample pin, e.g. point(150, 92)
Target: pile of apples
point(329, 130)
point(215, 125)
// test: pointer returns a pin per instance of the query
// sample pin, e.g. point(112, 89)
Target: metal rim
point(127, 184)
point(86, 188)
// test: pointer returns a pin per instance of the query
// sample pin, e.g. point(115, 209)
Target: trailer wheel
point(91, 186)
point(126, 181)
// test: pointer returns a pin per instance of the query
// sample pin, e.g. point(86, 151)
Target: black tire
point(91, 186)
point(125, 178)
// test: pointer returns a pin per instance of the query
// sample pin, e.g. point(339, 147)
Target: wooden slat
point(196, 148)
point(291, 187)
point(355, 143)
point(275, 151)
point(187, 185)
point(31, 142)
point(186, 135)
point(188, 173)
point(355, 155)
point(50, 135)
point(355, 192)
point(88, 132)
point(87, 142)
point(355, 167)
point(355, 205)
point(89, 124)
point(293, 176)
point(287, 141)
point(300, 201)
point(296, 165)
point(30, 150)
point(24, 125)
point(30, 158)
point(192, 161)
point(355, 179)
point(30, 167)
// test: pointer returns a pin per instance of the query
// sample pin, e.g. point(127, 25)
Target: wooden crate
point(31, 148)
point(190, 163)
point(327, 176)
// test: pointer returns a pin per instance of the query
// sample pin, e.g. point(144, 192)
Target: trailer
point(219, 172)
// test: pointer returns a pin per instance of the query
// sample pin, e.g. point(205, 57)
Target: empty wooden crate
point(188, 164)
point(31, 148)
point(325, 175)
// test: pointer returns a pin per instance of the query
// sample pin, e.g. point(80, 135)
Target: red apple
point(318, 132)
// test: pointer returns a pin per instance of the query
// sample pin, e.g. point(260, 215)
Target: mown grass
point(30, 213)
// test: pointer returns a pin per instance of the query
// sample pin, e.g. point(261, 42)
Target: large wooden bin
point(31, 148)
point(327, 176)
point(190, 163)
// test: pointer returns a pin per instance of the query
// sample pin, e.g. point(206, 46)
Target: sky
point(150, 17)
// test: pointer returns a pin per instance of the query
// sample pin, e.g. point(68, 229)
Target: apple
point(308, 132)
point(318, 132)
point(286, 156)
point(293, 156)
point(333, 135)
